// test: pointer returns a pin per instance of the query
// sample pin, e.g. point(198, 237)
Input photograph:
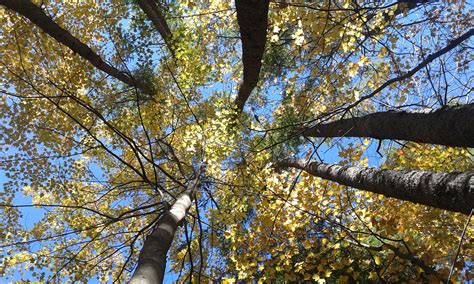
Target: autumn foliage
point(110, 111)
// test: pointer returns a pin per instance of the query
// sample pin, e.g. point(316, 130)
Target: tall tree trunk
point(252, 16)
point(450, 126)
point(152, 259)
point(453, 191)
point(157, 18)
point(37, 16)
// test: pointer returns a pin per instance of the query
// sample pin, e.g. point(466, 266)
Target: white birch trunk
point(152, 259)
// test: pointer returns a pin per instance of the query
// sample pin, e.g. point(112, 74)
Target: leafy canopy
point(87, 162)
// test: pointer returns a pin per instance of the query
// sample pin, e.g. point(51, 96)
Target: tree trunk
point(154, 14)
point(37, 16)
point(449, 126)
point(453, 191)
point(252, 16)
point(152, 259)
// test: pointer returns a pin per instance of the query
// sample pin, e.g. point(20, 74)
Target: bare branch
point(430, 58)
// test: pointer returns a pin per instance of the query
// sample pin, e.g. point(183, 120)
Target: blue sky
point(330, 155)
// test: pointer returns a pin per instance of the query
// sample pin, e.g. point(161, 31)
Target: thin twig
point(459, 245)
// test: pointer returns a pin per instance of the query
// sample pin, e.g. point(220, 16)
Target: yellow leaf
point(377, 260)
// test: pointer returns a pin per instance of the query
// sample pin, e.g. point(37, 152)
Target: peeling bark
point(154, 14)
point(37, 16)
point(152, 259)
point(449, 126)
point(449, 191)
point(252, 16)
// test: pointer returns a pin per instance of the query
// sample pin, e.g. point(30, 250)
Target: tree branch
point(453, 44)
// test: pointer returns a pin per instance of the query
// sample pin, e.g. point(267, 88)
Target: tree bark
point(449, 126)
point(252, 16)
point(154, 14)
point(37, 16)
point(449, 191)
point(152, 259)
